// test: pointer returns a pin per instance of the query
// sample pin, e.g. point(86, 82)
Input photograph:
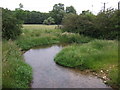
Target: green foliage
point(11, 27)
point(35, 17)
point(20, 14)
point(69, 22)
point(15, 72)
point(79, 23)
point(49, 21)
point(105, 25)
point(58, 12)
point(70, 9)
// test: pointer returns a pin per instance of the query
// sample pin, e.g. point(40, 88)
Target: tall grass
point(33, 36)
point(16, 73)
point(96, 55)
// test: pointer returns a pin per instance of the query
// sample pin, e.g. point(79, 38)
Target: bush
point(105, 25)
point(11, 27)
point(49, 21)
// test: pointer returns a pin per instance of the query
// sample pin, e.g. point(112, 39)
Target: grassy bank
point(100, 56)
point(16, 73)
point(33, 36)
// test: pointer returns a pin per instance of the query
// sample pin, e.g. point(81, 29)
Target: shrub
point(105, 25)
point(11, 27)
point(49, 21)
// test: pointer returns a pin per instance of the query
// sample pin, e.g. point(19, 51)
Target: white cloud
point(47, 5)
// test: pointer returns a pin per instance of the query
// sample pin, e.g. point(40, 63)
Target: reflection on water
point(47, 74)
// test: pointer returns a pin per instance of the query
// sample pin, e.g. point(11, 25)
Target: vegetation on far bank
point(104, 25)
point(33, 36)
point(100, 56)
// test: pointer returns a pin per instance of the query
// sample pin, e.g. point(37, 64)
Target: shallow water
point(47, 74)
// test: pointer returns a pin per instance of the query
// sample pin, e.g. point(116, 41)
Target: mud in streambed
point(47, 74)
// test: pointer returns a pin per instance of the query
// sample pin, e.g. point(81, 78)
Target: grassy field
point(100, 56)
point(39, 27)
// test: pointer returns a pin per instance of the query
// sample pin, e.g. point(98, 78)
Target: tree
point(49, 21)
point(107, 23)
point(35, 17)
point(70, 9)
point(19, 13)
point(87, 12)
point(58, 13)
point(11, 27)
point(70, 22)
point(20, 5)
point(82, 24)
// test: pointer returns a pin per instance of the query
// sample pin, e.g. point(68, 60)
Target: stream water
point(47, 74)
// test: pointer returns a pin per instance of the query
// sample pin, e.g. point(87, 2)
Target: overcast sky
point(46, 5)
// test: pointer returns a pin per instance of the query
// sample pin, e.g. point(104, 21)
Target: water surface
point(47, 74)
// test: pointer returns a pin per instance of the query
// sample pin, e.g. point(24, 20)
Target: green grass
point(33, 36)
point(16, 73)
point(96, 55)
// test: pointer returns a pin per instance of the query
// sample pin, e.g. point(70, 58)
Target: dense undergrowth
point(15, 72)
point(96, 56)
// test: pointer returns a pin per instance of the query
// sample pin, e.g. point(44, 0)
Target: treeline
point(31, 17)
point(105, 25)
point(13, 20)
point(36, 17)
